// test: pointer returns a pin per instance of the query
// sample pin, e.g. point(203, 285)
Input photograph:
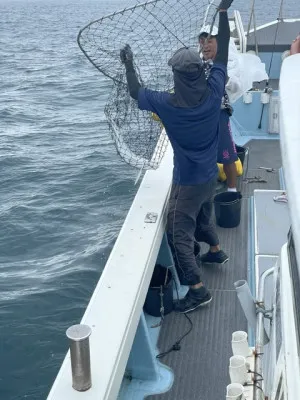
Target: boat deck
point(201, 366)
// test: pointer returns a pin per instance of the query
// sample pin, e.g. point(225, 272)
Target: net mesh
point(154, 30)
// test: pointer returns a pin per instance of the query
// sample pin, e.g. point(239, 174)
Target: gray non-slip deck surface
point(201, 366)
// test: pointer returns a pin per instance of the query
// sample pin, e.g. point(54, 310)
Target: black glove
point(126, 54)
point(225, 4)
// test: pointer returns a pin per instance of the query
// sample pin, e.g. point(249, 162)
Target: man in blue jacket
point(191, 117)
point(227, 154)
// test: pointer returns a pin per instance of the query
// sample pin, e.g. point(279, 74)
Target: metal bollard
point(80, 356)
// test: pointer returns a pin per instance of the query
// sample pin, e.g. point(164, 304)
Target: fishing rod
point(271, 62)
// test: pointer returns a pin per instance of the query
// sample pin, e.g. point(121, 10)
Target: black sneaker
point(193, 299)
point(214, 258)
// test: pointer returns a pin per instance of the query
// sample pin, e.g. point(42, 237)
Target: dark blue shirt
point(193, 132)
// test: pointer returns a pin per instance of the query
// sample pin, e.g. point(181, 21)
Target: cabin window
point(295, 281)
point(278, 317)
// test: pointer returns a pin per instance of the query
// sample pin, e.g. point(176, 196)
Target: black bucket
point(241, 153)
point(160, 292)
point(228, 209)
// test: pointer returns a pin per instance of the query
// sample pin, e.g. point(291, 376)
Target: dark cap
point(186, 60)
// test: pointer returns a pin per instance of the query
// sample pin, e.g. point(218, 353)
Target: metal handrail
point(260, 335)
point(240, 31)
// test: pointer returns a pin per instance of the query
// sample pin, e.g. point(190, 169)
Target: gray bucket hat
point(186, 60)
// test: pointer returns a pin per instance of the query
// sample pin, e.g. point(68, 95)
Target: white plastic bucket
point(235, 391)
point(238, 369)
point(239, 344)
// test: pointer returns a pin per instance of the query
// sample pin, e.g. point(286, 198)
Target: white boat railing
point(115, 309)
point(240, 31)
point(281, 360)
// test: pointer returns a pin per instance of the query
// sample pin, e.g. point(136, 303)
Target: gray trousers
point(190, 219)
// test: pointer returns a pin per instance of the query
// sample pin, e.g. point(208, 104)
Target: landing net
point(154, 30)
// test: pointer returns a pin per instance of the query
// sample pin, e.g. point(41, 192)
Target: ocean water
point(64, 192)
